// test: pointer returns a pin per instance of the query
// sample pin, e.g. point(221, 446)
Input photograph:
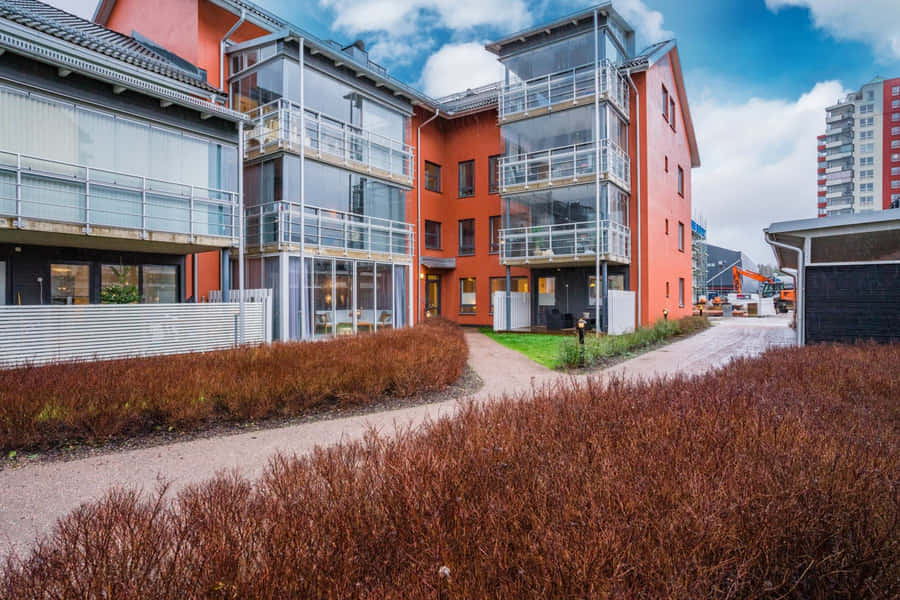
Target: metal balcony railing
point(42, 189)
point(565, 166)
point(279, 223)
point(277, 127)
point(568, 86)
point(565, 241)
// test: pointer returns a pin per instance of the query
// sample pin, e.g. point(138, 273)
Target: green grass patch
point(541, 348)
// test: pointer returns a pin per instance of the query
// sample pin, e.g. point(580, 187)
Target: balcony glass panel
point(555, 130)
point(565, 166)
point(551, 58)
point(545, 243)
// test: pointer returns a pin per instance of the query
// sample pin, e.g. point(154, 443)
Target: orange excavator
point(770, 288)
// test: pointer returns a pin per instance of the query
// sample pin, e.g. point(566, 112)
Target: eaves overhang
point(39, 46)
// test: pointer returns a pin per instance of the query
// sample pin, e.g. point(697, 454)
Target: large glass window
point(546, 291)
point(466, 178)
point(432, 235)
point(572, 204)
point(160, 284)
point(323, 298)
point(365, 297)
point(262, 86)
point(384, 301)
point(466, 237)
point(70, 284)
point(343, 296)
point(556, 130)
point(494, 174)
point(119, 284)
point(558, 56)
point(336, 189)
point(498, 284)
point(467, 304)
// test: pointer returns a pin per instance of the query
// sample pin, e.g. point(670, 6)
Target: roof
point(650, 56)
point(576, 18)
point(470, 101)
point(70, 28)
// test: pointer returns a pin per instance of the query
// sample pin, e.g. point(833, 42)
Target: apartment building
point(859, 154)
point(118, 159)
point(370, 205)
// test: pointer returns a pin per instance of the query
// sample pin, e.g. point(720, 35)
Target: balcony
point(565, 244)
point(277, 226)
point(569, 165)
point(277, 127)
point(561, 90)
point(839, 116)
point(60, 199)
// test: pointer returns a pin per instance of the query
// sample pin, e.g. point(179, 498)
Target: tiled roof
point(642, 59)
point(470, 100)
point(64, 26)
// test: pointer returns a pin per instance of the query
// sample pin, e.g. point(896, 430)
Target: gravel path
point(35, 496)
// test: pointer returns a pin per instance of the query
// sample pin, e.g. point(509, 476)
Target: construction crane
point(770, 288)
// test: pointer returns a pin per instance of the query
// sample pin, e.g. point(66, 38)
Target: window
point(867, 174)
point(667, 227)
point(432, 235)
point(681, 292)
point(665, 103)
point(667, 164)
point(160, 284)
point(70, 284)
point(895, 91)
point(895, 117)
point(895, 130)
point(119, 284)
point(895, 170)
point(895, 144)
point(870, 95)
point(680, 236)
point(667, 289)
point(866, 187)
point(866, 135)
point(466, 237)
point(498, 284)
point(680, 181)
point(867, 122)
point(866, 108)
point(672, 113)
point(895, 103)
point(432, 177)
point(466, 178)
point(495, 235)
point(866, 162)
point(867, 148)
point(895, 184)
point(895, 157)
point(866, 200)
point(467, 295)
point(494, 174)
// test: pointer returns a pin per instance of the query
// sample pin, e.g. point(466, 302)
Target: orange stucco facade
point(193, 29)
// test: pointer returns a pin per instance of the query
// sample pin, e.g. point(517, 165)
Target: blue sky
point(758, 74)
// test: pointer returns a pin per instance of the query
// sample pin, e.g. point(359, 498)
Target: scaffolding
point(699, 256)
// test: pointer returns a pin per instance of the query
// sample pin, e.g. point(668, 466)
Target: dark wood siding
point(853, 302)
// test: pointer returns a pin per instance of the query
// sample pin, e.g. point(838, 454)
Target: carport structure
point(847, 271)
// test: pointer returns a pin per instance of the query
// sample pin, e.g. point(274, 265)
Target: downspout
point(240, 191)
point(598, 284)
point(420, 233)
point(222, 43)
point(637, 137)
point(799, 291)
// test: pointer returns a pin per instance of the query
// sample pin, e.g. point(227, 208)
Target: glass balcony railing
point(280, 223)
point(277, 127)
point(102, 202)
point(565, 242)
point(571, 86)
point(565, 166)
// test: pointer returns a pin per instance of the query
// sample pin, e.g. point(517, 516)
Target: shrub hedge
point(774, 477)
point(597, 350)
point(48, 405)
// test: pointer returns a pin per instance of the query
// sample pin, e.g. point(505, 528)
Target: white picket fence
point(520, 310)
point(45, 334)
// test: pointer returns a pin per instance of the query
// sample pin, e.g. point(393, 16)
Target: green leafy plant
point(120, 292)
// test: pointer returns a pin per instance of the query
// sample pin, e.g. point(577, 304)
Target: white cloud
point(874, 22)
point(759, 164)
point(646, 23)
point(456, 67)
point(403, 17)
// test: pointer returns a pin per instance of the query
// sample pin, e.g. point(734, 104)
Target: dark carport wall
point(848, 275)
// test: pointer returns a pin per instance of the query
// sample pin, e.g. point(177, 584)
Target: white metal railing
point(279, 223)
point(570, 85)
point(834, 118)
point(277, 126)
point(565, 241)
point(568, 164)
point(44, 334)
point(38, 188)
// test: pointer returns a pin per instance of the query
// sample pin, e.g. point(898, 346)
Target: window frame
point(494, 173)
point(426, 177)
point(494, 246)
point(672, 113)
point(502, 278)
point(459, 178)
point(681, 292)
point(681, 243)
point(665, 102)
point(460, 238)
point(680, 184)
point(468, 309)
point(440, 236)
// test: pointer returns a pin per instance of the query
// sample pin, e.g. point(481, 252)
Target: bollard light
point(666, 314)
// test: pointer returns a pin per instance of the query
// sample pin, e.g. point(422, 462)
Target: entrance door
point(432, 296)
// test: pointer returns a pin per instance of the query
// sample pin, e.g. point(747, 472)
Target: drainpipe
point(637, 124)
point(240, 191)
point(598, 323)
point(799, 291)
point(222, 43)
point(420, 233)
